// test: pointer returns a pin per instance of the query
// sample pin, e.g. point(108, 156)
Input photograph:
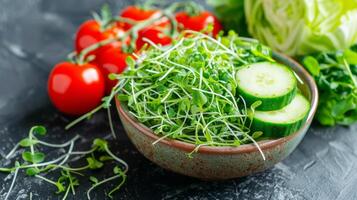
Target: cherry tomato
point(138, 14)
point(90, 33)
point(75, 89)
point(112, 60)
point(198, 22)
point(156, 35)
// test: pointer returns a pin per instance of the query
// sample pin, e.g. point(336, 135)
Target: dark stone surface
point(35, 34)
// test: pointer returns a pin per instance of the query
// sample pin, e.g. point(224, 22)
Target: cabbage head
point(298, 27)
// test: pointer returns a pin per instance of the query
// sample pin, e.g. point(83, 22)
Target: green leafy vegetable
point(336, 76)
point(301, 27)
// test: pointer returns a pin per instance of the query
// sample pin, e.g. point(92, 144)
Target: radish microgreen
point(34, 164)
point(188, 91)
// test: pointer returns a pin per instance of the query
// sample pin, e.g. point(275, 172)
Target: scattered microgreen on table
point(34, 163)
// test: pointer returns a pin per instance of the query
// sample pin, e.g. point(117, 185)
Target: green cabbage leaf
point(298, 27)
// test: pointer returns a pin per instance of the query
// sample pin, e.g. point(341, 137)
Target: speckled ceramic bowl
point(214, 163)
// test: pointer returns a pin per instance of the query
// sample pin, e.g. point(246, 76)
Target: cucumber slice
point(282, 122)
point(271, 83)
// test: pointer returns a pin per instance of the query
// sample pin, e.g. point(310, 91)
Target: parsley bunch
point(336, 76)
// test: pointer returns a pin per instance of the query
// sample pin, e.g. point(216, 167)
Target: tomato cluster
point(78, 87)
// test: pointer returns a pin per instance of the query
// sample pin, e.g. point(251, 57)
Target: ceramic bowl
point(215, 163)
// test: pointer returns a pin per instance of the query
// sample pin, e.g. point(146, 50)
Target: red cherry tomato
point(75, 89)
point(156, 35)
point(138, 14)
point(112, 60)
point(90, 33)
point(198, 22)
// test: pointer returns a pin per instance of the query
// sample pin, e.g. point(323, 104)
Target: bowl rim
point(244, 148)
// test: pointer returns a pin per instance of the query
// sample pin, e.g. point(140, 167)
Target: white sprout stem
point(112, 131)
point(213, 93)
point(45, 179)
point(169, 50)
point(152, 43)
point(212, 40)
point(118, 159)
point(66, 194)
point(12, 151)
point(167, 95)
point(71, 185)
point(163, 137)
point(12, 183)
point(32, 149)
point(76, 121)
point(166, 74)
point(100, 183)
point(220, 118)
point(257, 145)
point(82, 152)
point(66, 157)
point(59, 145)
point(43, 164)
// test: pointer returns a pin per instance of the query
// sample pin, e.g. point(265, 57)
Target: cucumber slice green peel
point(282, 122)
point(273, 84)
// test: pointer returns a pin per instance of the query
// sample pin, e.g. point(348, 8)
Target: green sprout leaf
point(93, 179)
point(36, 157)
point(105, 158)
point(26, 142)
point(198, 98)
point(117, 170)
point(93, 163)
point(60, 187)
point(130, 62)
point(257, 134)
point(39, 130)
point(32, 171)
point(100, 144)
point(112, 76)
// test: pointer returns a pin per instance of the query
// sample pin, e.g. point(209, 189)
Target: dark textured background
point(35, 34)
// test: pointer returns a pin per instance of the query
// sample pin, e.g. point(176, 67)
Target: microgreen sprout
point(35, 165)
point(188, 91)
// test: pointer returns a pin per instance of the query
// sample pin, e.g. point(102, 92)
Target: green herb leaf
point(350, 56)
point(312, 65)
point(337, 87)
